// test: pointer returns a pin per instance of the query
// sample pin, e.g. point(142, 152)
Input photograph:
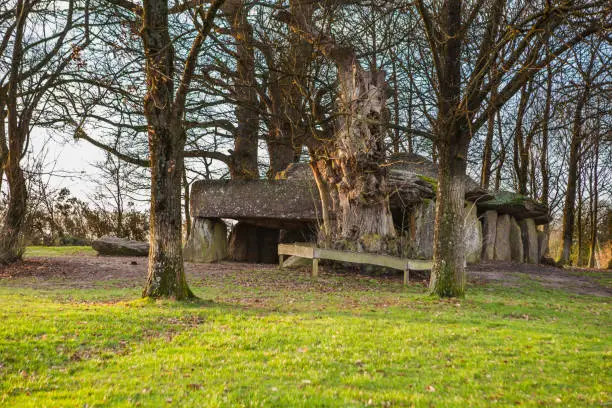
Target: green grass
point(51, 251)
point(375, 344)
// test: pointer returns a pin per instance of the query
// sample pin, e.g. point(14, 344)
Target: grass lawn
point(51, 251)
point(250, 344)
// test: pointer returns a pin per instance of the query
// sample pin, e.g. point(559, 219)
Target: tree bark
point(502, 154)
point(522, 144)
point(243, 161)
point(186, 204)
point(360, 200)
point(544, 149)
point(452, 140)
point(288, 80)
point(594, 195)
point(485, 173)
point(166, 275)
point(11, 244)
point(448, 273)
point(572, 176)
point(579, 220)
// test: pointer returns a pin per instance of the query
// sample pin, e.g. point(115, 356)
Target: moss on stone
point(508, 198)
point(432, 181)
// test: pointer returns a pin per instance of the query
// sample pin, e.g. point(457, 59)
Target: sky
point(70, 162)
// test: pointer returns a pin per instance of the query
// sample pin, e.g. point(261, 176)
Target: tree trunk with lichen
point(166, 276)
point(452, 141)
point(448, 272)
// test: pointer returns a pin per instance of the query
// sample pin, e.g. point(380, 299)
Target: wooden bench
point(312, 252)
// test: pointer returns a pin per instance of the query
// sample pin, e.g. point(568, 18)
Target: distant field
point(58, 251)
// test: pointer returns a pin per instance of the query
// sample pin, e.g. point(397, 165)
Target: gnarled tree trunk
point(363, 201)
point(355, 180)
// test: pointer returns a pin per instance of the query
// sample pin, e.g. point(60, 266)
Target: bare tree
point(452, 30)
point(36, 61)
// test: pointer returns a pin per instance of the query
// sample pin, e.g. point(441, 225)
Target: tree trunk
point(186, 203)
point(166, 270)
point(448, 272)
point(485, 173)
point(572, 176)
point(544, 149)
point(521, 149)
point(363, 201)
point(396, 108)
point(595, 203)
point(502, 154)
point(243, 162)
point(166, 146)
point(288, 80)
point(11, 242)
point(360, 200)
point(280, 148)
point(579, 220)
point(452, 140)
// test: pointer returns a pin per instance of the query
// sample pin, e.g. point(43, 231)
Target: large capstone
point(489, 232)
point(530, 240)
point(516, 241)
point(207, 241)
point(252, 243)
point(114, 246)
point(473, 235)
point(502, 238)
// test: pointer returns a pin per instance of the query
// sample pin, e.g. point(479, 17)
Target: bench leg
point(315, 267)
point(280, 261)
point(406, 276)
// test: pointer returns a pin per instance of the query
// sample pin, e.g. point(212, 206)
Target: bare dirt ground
point(91, 271)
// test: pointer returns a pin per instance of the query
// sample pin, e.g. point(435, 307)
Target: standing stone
point(207, 241)
point(502, 238)
point(473, 235)
point(542, 245)
point(530, 240)
point(423, 229)
point(489, 232)
point(516, 241)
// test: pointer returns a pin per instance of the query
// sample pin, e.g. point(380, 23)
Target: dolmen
point(499, 226)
